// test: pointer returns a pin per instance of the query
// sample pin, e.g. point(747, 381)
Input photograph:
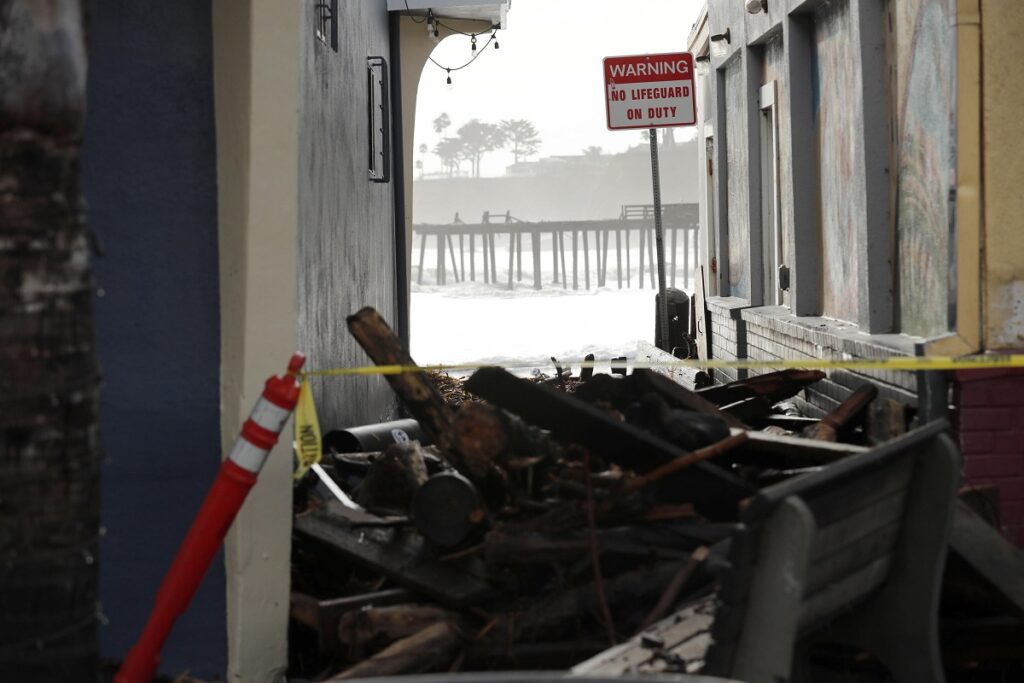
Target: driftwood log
point(434, 646)
point(388, 624)
point(414, 389)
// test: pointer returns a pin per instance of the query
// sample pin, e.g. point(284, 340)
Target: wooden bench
point(853, 553)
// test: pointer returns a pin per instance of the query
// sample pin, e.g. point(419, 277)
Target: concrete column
point(752, 62)
point(802, 192)
point(256, 87)
point(876, 238)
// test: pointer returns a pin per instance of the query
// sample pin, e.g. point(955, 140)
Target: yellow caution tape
point(905, 363)
point(308, 447)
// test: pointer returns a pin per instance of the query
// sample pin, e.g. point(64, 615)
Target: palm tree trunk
point(49, 454)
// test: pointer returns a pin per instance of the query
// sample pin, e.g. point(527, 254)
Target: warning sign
point(649, 91)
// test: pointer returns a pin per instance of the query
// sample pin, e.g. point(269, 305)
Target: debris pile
point(533, 528)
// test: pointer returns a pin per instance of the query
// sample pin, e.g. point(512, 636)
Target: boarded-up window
point(736, 182)
point(925, 85)
point(839, 130)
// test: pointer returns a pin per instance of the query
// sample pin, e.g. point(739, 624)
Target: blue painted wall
point(150, 181)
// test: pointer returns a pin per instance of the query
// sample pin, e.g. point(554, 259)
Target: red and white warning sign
point(649, 91)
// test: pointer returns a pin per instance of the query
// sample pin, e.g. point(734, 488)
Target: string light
point(476, 53)
point(494, 37)
point(472, 44)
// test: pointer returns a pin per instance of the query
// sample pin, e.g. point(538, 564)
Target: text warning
point(649, 91)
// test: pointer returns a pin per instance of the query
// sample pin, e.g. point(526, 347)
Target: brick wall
point(772, 333)
point(728, 336)
point(989, 419)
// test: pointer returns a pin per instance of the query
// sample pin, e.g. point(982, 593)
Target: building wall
point(256, 73)
point(989, 419)
point(149, 169)
point(1002, 103)
point(838, 128)
point(346, 233)
point(738, 228)
point(925, 83)
point(866, 167)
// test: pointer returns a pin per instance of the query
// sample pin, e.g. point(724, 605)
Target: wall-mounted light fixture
point(755, 6)
point(724, 35)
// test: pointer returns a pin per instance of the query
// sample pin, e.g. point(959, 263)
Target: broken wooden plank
point(773, 386)
point(714, 491)
point(679, 396)
point(790, 451)
point(322, 615)
point(390, 623)
point(428, 649)
point(829, 426)
point(683, 635)
point(397, 553)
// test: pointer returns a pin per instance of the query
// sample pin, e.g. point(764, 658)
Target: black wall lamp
point(725, 35)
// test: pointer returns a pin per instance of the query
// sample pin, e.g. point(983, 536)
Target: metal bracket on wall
point(327, 23)
point(378, 113)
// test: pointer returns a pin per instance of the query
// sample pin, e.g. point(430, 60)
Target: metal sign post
point(652, 91)
point(659, 244)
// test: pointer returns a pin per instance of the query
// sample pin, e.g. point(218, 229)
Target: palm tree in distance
point(441, 123)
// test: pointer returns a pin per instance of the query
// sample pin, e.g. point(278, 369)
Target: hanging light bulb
point(432, 32)
point(449, 76)
point(494, 36)
point(472, 44)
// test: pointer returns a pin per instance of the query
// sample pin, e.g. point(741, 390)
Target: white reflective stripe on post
point(269, 416)
point(247, 456)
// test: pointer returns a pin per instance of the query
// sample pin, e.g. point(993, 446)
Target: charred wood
point(713, 490)
point(848, 411)
point(773, 386)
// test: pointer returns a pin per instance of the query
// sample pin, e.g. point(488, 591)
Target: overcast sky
point(548, 70)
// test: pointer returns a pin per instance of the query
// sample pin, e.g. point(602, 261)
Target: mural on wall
point(838, 128)
point(925, 163)
point(738, 199)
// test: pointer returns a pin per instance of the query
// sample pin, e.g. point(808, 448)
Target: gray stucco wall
point(149, 169)
point(346, 222)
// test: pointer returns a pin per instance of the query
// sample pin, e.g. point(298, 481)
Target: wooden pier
point(634, 226)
